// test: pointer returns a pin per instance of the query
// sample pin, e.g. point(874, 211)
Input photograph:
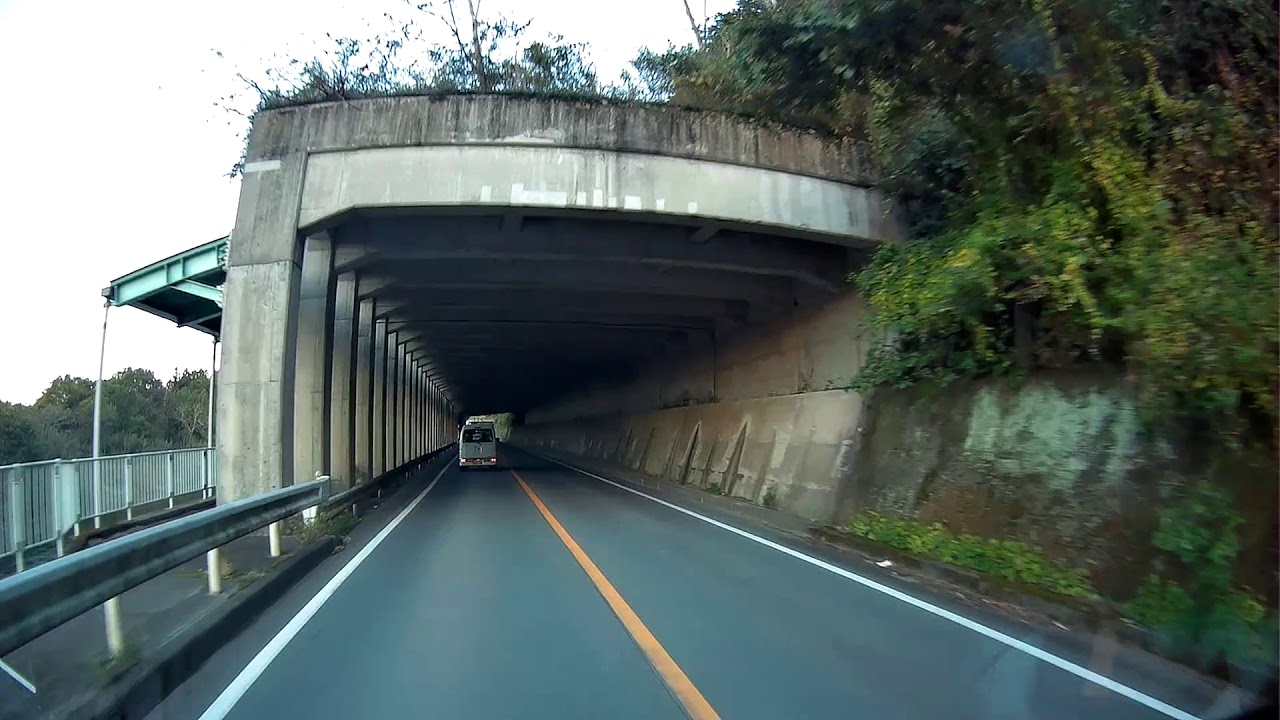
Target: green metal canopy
point(185, 288)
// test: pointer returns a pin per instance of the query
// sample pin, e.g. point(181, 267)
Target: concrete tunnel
point(661, 287)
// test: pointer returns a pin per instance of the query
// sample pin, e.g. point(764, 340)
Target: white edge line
point(1032, 650)
point(17, 676)
point(238, 687)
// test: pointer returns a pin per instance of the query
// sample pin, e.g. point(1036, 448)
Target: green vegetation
point(112, 666)
point(1004, 559)
point(1205, 615)
point(139, 413)
point(713, 488)
point(770, 499)
point(1082, 182)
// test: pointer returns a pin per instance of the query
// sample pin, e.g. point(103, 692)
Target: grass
point(334, 526)
point(112, 666)
point(1003, 559)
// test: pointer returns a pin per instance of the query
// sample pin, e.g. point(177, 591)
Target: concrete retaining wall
point(762, 415)
point(793, 452)
point(807, 350)
point(1060, 461)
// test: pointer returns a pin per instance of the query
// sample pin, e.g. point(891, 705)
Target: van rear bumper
point(475, 462)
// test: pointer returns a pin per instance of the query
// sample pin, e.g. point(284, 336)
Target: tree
point(135, 413)
point(20, 437)
point(65, 412)
point(188, 407)
point(1084, 183)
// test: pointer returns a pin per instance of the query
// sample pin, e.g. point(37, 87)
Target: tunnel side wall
point(764, 416)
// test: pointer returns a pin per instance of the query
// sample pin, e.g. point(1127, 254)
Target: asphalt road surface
point(475, 605)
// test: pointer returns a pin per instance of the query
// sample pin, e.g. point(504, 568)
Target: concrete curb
point(143, 687)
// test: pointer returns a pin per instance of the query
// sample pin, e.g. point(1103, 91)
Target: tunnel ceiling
point(511, 311)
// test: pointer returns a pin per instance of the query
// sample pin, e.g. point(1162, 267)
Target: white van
point(478, 446)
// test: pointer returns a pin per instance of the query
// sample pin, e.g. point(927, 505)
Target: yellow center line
point(694, 704)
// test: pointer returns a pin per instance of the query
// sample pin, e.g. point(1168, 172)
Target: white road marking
point(251, 672)
point(17, 676)
point(1035, 652)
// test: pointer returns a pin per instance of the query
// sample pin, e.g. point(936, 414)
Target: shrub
point(1004, 559)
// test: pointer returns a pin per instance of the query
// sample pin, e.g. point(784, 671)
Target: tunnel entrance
point(511, 311)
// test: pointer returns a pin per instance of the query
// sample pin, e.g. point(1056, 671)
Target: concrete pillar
point(254, 396)
point(342, 383)
point(393, 363)
point(410, 389)
point(401, 401)
point(314, 360)
point(414, 407)
point(378, 408)
point(363, 405)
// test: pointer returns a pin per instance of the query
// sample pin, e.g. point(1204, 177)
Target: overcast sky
point(116, 153)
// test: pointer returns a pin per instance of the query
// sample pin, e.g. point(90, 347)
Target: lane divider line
point(251, 672)
point(17, 677)
point(695, 705)
point(1023, 646)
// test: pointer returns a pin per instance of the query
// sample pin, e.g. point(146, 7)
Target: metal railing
point(43, 598)
point(36, 601)
point(41, 503)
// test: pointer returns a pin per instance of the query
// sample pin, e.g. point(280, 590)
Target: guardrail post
point(115, 627)
point(206, 468)
point(97, 493)
point(66, 504)
point(18, 522)
point(168, 477)
point(213, 565)
point(128, 488)
point(273, 536)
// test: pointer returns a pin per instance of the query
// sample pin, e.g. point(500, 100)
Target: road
point(474, 606)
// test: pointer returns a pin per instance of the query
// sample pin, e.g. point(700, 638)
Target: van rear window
point(477, 435)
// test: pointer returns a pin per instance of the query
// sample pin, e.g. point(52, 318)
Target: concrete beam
point(635, 187)
point(600, 243)
point(426, 302)
point(458, 319)
point(639, 279)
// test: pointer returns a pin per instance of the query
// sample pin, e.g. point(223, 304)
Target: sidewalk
point(70, 665)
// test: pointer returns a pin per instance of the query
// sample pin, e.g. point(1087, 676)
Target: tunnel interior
point(509, 312)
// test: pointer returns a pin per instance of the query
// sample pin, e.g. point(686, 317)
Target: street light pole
point(213, 369)
point(97, 414)
point(110, 608)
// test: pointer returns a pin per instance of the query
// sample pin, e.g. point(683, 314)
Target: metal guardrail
point(41, 502)
point(35, 602)
point(42, 598)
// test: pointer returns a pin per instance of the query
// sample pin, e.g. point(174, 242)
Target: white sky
point(116, 155)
